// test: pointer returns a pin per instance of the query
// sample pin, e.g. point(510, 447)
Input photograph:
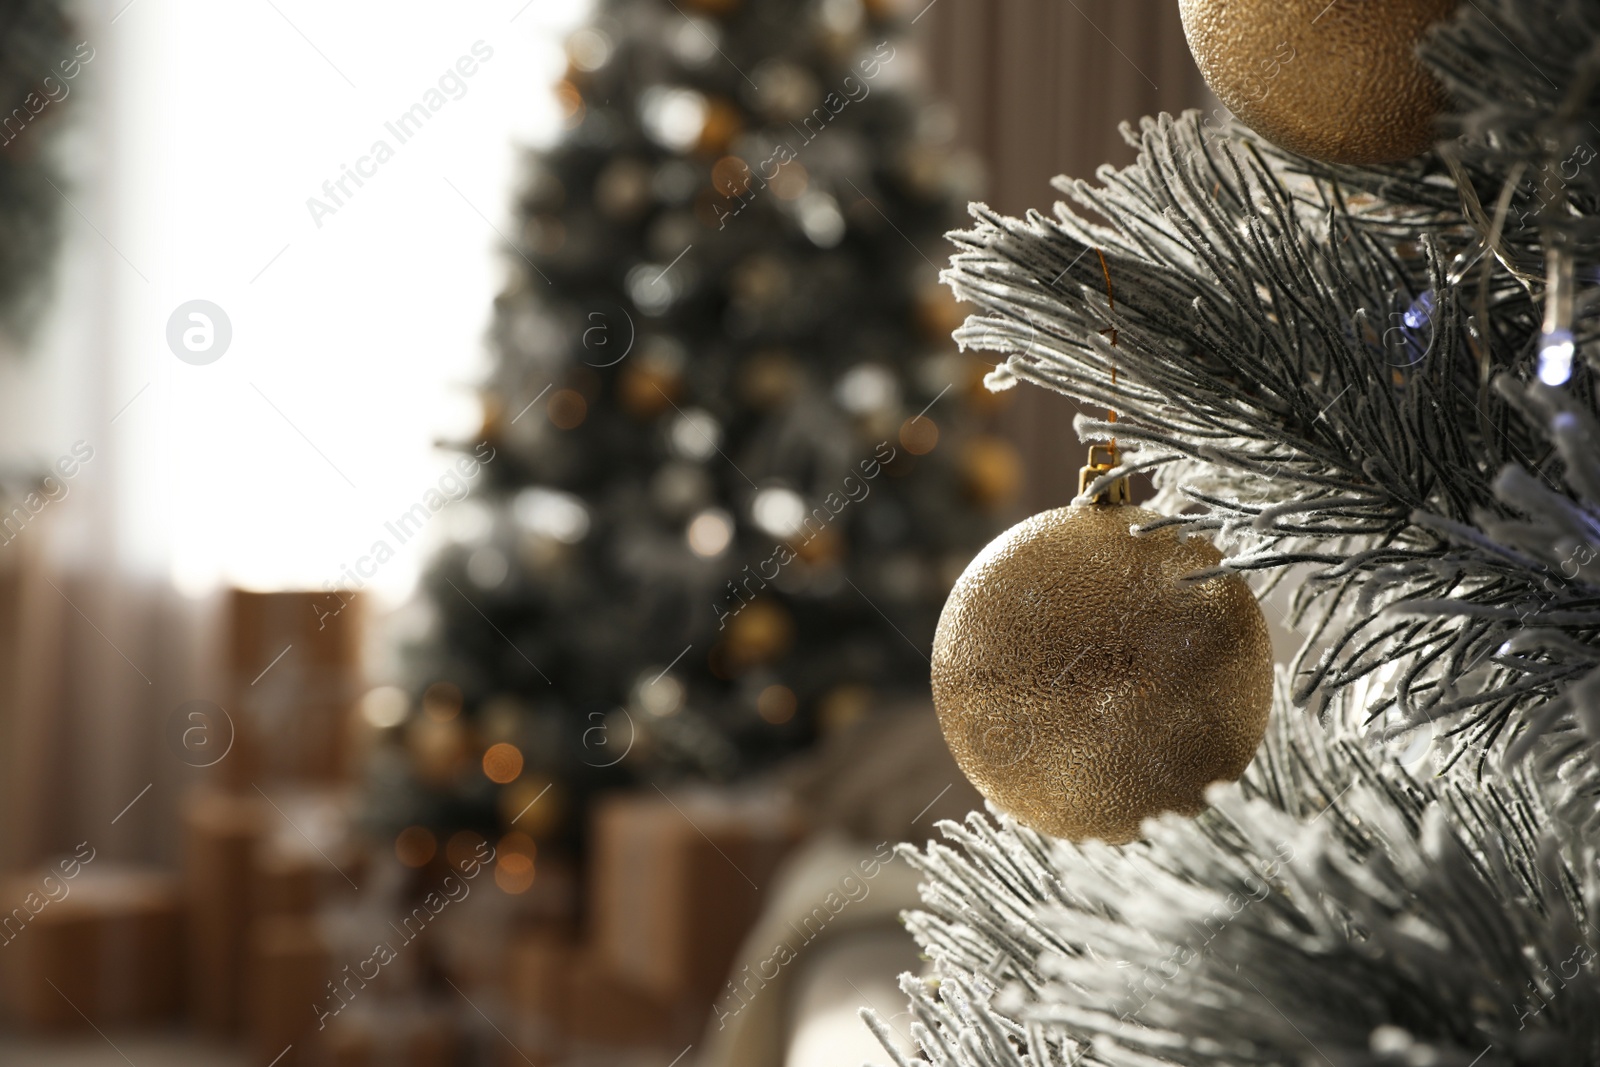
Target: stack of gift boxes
point(266, 842)
point(229, 943)
point(285, 933)
point(675, 882)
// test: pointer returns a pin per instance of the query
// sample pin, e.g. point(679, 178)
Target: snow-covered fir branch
point(1333, 370)
point(1329, 908)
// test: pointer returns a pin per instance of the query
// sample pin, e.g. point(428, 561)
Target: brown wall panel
point(1040, 87)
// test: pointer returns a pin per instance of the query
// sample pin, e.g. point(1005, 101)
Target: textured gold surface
point(1082, 688)
point(1353, 91)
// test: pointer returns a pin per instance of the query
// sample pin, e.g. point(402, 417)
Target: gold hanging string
point(1119, 491)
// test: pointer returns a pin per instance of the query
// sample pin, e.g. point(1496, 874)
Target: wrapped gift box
point(290, 967)
point(102, 948)
point(389, 1034)
point(538, 992)
point(221, 832)
point(294, 667)
point(676, 883)
point(286, 881)
point(607, 1011)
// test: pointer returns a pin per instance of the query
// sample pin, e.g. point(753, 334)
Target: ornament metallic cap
point(1118, 492)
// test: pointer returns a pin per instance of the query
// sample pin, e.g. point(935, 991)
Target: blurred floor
point(117, 1050)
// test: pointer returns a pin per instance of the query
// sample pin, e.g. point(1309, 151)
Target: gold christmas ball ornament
point(1083, 686)
point(1338, 82)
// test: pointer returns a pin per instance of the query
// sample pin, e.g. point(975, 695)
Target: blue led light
point(1555, 357)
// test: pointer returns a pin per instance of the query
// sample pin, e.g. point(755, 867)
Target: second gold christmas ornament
point(1083, 685)
point(1339, 82)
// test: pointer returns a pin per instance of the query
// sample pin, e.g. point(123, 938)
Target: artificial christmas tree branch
point(1327, 906)
point(1374, 384)
point(1268, 327)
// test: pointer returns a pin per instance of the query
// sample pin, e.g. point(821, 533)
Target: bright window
point(358, 319)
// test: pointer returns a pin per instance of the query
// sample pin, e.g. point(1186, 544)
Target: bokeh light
point(502, 763)
point(415, 846)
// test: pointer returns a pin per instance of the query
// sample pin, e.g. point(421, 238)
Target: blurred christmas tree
point(737, 463)
point(37, 68)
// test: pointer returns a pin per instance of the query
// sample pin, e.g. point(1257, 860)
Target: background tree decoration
point(703, 542)
point(38, 68)
point(1084, 685)
point(1339, 82)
